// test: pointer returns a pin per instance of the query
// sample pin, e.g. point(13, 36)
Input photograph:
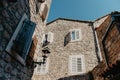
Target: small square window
point(43, 68)
point(49, 37)
point(75, 35)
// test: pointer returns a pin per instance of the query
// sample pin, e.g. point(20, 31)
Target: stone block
point(1, 72)
point(6, 35)
point(17, 15)
point(19, 75)
point(7, 58)
point(5, 14)
point(14, 78)
point(8, 28)
point(8, 68)
point(1, 27)
point(1, 49)
point(2, 78)
point(14, 72)
point(7, 76)
point(2, 63)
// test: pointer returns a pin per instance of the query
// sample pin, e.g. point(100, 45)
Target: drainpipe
point(97, 46)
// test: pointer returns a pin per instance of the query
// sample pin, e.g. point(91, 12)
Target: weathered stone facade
point(58, 68)
point(95, 38)
point(108, 35)
point(11, 12)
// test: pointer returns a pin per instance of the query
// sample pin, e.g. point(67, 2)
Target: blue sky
point(82, 9)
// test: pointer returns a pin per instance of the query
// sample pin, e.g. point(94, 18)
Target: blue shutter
point(24, 38)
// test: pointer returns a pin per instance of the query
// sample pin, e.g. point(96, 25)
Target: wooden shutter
point(39, 66)
point(43, 38)
point(33, 47)
point(43, 67)
point(31, 52)
point(76, 64)
point(24, 38)
point(77, 32)
point(79, 65)
point(50, 37)
point(44, 12)
point(67, 39)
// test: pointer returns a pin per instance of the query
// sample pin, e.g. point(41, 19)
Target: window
point(77, 64)
point(49, 37)
point(43, 68)
point(21, 40)
point(75, 35)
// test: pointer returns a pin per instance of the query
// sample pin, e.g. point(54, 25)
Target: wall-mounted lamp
point(45, 53)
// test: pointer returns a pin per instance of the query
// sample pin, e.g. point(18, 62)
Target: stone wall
point(111, 44)
point(108, 35)
point(10, 15)
point(59, 57)
point(99, 69)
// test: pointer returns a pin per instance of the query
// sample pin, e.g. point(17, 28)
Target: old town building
point(72, 51)
point(64, 49)
point(21, 26)
point(107, 29)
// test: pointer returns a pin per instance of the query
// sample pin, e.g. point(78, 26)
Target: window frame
point(11, 42)
point(82, 64)
point(75, 31)
point(50, 36)
point(41, 66)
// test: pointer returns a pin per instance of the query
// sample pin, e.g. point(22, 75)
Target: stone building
point(75, 47)
point(21, 26)
point(107, 29)
point(72, 51)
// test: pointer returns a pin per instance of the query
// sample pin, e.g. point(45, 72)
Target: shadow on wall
point(11, 12)
point(87, 76)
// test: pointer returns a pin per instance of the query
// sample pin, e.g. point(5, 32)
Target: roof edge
point(109, 14)
point(85, 21)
